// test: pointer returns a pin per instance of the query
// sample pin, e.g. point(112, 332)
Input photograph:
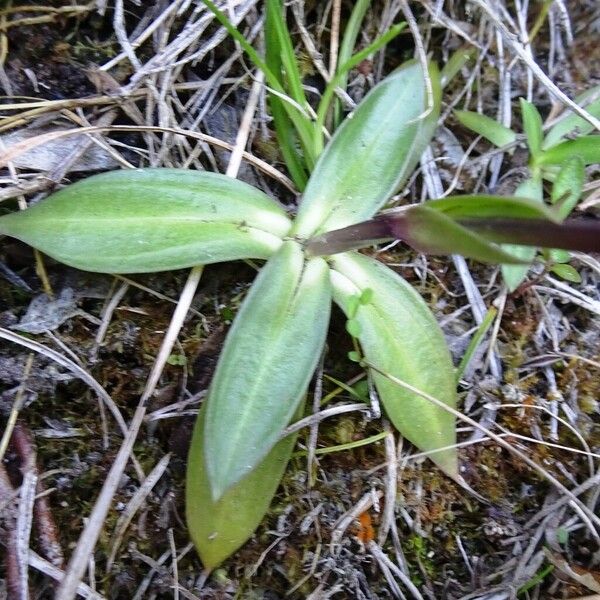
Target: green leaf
point(525, 204)
point(587, 147)
point(401, 337)
point(266, 364)
point(146, 220)
point(458, 59)
point(532, 125)
point(351, 31)
point(433, 232)
point(574, 124)
point(219, 528)
point(558, 256)
point(278, 46)
point(568, 186)
point(297, 115)
point(514, 275)
point(354, 356)
point(343, 69)
point(487, 127)
point(353, 327)
point(371, 154)
point(566, 272)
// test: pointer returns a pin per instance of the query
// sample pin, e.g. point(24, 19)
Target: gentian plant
point(159, 219)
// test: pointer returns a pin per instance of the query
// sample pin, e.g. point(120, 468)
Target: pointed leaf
point(433, 232)
point(151, 220)
point(487, 127)
point(566, 272)
point(525, 204)
point(219, 528)
point(514, 275)
point(266, 364)
point(587, 147)
point(371, 154)
point(400, 336)
point(532, 125)
point(568, 186)
point(574, 124)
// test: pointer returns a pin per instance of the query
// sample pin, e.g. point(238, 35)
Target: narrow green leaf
point(458, 59)
point(433, 232)
point(351, 31)
point(135, 221)
point(587, 147)
point(280, 59)
point(266, 364)
point(299, 119)
point(514, 275)
point(486, 323)
point(343, 69)
point(573, 124)
point(532, 125)
point(525, 204)
point(219, 528)
point(568, 186)
point(400, 336)
point(371, 154)
point(287, 55)
point(487, 127)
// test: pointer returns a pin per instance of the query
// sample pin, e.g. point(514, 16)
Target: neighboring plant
point(560, 156)
point(159, 219)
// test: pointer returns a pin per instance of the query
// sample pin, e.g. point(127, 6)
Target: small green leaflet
point(487, 127)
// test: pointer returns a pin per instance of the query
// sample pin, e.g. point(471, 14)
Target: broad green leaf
point(514, 275)
point(266, 364)
point(572, 123)
point(558, 256)
point(532, 125)
point(151, 220)
point(568, 186)
point(400, 337)
point(219, 528)
point(487, 127)
point(587, 147)
point(371, 154)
